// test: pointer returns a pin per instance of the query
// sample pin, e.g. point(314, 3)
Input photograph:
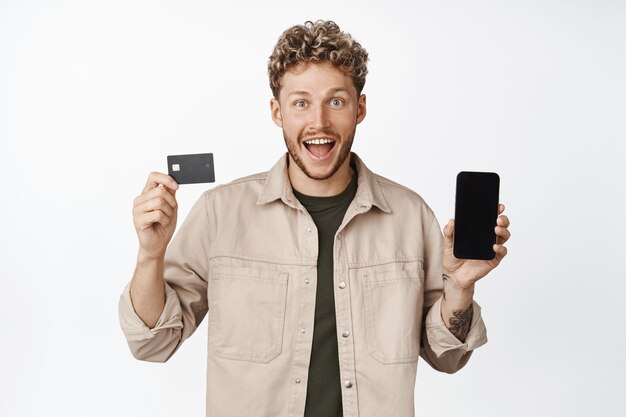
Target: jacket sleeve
point(439, 347)
point(185, 274)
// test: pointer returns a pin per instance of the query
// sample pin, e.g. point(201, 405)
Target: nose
point(320, 118)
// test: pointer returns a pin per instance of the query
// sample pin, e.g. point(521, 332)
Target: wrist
point(458, 284)
point(149, 258)
point(455, 298)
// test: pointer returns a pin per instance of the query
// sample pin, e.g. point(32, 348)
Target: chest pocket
point(393, 306)
point(247, 313)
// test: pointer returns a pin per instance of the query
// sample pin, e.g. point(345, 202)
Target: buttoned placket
point(306, 318)
point(343, 311)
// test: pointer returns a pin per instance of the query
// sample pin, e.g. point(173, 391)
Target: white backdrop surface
point(94, 95)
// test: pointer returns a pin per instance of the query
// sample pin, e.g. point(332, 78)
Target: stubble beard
point(293, 147)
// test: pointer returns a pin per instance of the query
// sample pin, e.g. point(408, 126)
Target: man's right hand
point(155, 214)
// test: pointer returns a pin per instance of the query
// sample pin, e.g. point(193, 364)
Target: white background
point(94, 95)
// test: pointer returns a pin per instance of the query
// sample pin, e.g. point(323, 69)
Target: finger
point(157, 203)
point(146, 220)
point(503, 221)
point(448, 233)
point(156, 217)
point(500, 251)
point(156, 178)
point(502, 234)
point(500, 208)
point(158, 192)
point(448, 229)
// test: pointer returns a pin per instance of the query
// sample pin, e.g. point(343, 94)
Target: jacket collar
point(368, 193)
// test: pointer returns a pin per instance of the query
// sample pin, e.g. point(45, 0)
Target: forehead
point(315, 79)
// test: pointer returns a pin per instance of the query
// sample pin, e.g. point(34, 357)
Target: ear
point(361, 109)
point(277, 117)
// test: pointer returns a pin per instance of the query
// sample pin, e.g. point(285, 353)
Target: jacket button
point(306, 281)
point(303, 330)
point(345, 333)
point(298, 380)
point(348, 383)
point(309, 230)
point(338, 235)
point(342, 285)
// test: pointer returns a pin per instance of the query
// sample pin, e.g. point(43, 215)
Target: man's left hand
point(465, 272)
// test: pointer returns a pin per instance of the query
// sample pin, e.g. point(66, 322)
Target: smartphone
point(191, 168)
point(475, 214)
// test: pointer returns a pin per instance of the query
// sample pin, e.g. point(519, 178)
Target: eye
point(336, 102)
point(300, 103)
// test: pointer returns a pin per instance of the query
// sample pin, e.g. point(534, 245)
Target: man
point(323, 281)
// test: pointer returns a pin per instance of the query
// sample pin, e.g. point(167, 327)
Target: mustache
point(324, 132)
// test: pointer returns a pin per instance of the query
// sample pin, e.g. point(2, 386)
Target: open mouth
point(319, 148)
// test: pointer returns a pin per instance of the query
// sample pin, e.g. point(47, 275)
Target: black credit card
point(475, 214)
point(192, 168)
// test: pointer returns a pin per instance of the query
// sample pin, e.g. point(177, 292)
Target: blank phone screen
point(475, 214)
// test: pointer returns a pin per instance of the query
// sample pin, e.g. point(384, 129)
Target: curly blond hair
point(317, 42)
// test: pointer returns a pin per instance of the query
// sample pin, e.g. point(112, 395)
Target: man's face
point(318, 110)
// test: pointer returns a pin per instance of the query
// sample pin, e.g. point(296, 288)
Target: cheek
point(292, 125)
point(345, 122)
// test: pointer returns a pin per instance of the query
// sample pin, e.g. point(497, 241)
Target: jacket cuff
point(442, 341)
point(135, 329)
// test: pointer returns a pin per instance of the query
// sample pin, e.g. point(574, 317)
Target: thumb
point(448, 233)
point(170, 190)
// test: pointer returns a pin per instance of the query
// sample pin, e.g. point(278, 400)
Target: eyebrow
point(331, 91)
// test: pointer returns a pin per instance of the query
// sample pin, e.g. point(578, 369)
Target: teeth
point(318, 141)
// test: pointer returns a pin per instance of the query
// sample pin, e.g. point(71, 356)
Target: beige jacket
point(246, 254)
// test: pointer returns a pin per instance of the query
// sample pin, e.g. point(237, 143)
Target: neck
point(320, 188)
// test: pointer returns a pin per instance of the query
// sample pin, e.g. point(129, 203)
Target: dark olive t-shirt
point(323, 398)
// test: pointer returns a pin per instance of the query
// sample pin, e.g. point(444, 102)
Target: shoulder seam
point(250, 178)
point(382, 180)
point(387, 181)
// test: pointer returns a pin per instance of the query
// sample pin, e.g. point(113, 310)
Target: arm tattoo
point(460, 323)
